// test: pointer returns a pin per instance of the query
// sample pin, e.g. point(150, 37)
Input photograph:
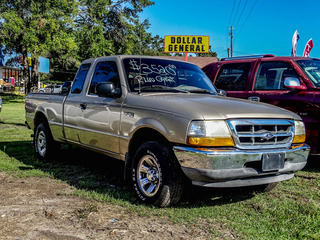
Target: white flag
point(295, 39)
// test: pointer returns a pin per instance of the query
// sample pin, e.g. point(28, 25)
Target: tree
point(106, 27)
point(90, 29)
point(123, 26)
point(69, 31)
point(144, 43)
point(36, 27)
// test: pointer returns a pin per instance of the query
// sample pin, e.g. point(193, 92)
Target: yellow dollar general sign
point(183, 44)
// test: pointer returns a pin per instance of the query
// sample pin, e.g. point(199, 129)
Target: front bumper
point(237, 168)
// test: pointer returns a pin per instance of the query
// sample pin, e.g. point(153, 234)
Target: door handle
point(83, 106)
point(254, 98)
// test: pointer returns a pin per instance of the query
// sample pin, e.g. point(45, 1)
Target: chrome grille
point(262, 133)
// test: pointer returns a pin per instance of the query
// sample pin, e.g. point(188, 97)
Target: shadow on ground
point(17, 124)
point(90, 171)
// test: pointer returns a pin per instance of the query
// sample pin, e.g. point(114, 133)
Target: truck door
point(72, 110)
point(100, 118)
point(234, 79)
point(269, 87)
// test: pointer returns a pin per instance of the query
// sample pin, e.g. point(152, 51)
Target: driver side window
point(233, 77)
point(106, 71)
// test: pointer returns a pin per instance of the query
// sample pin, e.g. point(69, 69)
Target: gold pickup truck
point(170, 125)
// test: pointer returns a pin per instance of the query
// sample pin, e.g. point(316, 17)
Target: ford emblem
point(267, 136)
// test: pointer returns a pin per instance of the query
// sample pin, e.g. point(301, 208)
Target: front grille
point(262, 133)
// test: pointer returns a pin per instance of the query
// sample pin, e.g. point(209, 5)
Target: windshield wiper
point(163, 88)
point(202, 91)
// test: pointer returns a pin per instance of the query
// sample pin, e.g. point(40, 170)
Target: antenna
point(139, 91)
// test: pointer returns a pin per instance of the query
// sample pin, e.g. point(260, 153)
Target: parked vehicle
point(57, 88)
point(51, 89)
point(165, 119)
point(292, 83)
point(46, 89)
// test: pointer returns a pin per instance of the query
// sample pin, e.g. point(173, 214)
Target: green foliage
point(37, 27)
point(69, 31)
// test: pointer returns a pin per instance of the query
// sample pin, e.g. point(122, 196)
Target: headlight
point(299, 132)
point(209, 134)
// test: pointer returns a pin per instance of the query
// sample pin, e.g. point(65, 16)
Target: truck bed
point(51, 107)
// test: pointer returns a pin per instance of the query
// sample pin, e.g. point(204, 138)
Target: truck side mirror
point(66, 87)
point(293, 83)
point(106, 89)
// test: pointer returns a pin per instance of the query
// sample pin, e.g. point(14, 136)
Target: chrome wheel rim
point(148, 175)
point(41, 143)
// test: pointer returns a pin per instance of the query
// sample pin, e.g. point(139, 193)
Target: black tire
point(157, 178)
point(45, 146)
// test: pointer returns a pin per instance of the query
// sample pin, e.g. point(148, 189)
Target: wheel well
point(39, 118)
point(145, 135)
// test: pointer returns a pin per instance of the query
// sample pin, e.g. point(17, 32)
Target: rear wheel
point(44, 144)
point(157, 178)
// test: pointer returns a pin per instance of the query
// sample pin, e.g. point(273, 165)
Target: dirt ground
point(38, 208)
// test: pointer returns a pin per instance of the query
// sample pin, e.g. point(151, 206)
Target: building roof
point(200, 61)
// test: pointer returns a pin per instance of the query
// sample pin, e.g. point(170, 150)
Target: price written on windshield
point(153, 72)
point(145, 69)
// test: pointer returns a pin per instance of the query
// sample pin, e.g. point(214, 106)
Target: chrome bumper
point(237, 168)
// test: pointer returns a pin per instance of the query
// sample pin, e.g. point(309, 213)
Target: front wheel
point(157, 178)
point(44, 144)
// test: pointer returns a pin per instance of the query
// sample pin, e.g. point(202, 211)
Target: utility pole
point(231, 37)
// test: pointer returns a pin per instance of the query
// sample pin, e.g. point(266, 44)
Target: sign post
point(186, 44)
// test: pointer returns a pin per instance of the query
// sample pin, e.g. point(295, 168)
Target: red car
point(292, 83)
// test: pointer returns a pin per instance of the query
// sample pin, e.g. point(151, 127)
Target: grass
point(291, 211)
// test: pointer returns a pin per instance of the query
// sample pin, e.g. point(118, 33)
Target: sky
point(260, 26)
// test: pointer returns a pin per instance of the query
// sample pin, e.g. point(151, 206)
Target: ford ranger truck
point(169, 124)
point(292, 83)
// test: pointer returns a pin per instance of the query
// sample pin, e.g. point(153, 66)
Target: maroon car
point(292, 83)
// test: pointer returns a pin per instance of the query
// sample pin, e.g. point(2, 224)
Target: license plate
point(272, 161)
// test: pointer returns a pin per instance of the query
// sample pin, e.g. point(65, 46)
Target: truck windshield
point(312, 69)
point(161, 75)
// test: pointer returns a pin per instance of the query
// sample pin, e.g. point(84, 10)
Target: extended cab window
point(233, 77)
point(271, 75)
point(79, 79)
point(105, 72)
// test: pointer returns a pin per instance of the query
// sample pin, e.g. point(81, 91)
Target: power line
point(245, 4)
point(234, 3)
point(247, 17)
point(236, 12)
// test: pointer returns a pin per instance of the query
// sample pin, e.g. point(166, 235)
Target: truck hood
point(205, 106)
